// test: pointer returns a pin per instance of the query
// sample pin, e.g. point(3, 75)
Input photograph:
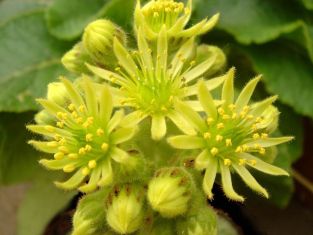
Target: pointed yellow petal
point(93, 181)
point(203, 160)
point(119, 155)
point(115, 120)
point(209, 177)
point(158, 127)
point(228, 88)
point(105, 105)
point(72, 182)
point(206, 100)
point(186, 142)
point(181, 123)
point(258, 108)
point(106, 174)
point(268, 142)
point(123, 134)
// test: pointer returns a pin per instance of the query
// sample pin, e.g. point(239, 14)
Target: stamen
point(85, 171)
point(242, 162)
point(228, 142)
point(214, 151)
point(207, 135)
point(227, 162)
point(58, 155)
point(68, 168)
point(100, 132)
point(219, 138)
point(92, 164)
point(104, 147)
point(89, 137)
point(209, 120)
point(73, 156)
point(220, 125)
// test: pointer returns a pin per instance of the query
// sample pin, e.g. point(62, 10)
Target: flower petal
point(90, 97)
point(250, 180)
point(93, 181)
point(228, 88)
point(206, 100)
point(202, 160)
point(258, 108)
point(262, 166)
point(119, 155)
point(209, 177)
point(132, 119)
point(181, 123)
point(161, 59)
point(43, 146)
point(105, 105)
point(115, 120)
point(227, 184)
point(106, 174)
point(158, 127)
point(190, 115)
point(199, 69)
point(268, 142)
point(144, 50)
point(72, 182)
point(245, 95)
point(186, 142)
point(123, 134)
point(72, 92)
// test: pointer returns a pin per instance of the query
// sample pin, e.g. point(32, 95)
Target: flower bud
point(271, 118)
point(98, 40)
point(204, 52)
point(43, 118)
point(74, 60)
point(125, 212)
point(169, 192)
point(57, 93)
point(202, 223)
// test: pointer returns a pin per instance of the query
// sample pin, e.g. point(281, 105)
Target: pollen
point(58, 155)
point(221, 111)
point(69, 168)
point(246, 109)
point(214, 151)
point(71, 107)
point(242, 162)
point(73, 156)
point(81, 108)
point(207, 135)
point(228, 142)
point(85, 171)
point(79, 120)
point(89, 137)
point(92, 164)
point(60, 124)
point(88, 147)
point(82, 151)
point(227, 162)
point(256, 136)
point(100, 132)
point(209, 120)
point(245, 148)
point(264, 135)
point(234, 116)
point(231, 107)
point(262, 151)
point(74, 114)
point(252, 162)
point(104, 147)
point(238, 149)
point(220, 125)
point(219, 138)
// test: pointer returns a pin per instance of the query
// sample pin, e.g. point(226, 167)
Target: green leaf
point(18, 160)
point(260, 23)
point(66, 19)
point(12, 8)
point(286, 73)
point(308, 4)
point(41, 203)
point(29, 60)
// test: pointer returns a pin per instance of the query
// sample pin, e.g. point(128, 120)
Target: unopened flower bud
point(169, 192)
point(204, 52)
point(43, 117)
point(98, 40)
point(125, 212)
point(57, 93)
point(74, 60)
point(270, 119)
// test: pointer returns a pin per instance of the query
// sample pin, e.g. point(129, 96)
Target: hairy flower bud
point(98, 40)
point(57, 93)
point(169, 192)
point(44, 118)
point(204, 52)
point(203, 222)
point(125, 212)
point(74, 60)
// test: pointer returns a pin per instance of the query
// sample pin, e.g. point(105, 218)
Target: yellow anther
point(226, 117)
point(262, 151)
point(209, 120)
point(100, 132)
point(256, 136)
point(243, 114)
point(231, 107)
point(207, 135)
point(250, 116)
point(228, 142)
point(246, 108)
point(73, 156)
point(242, 162)
point(60, 124)
point(57, 137)
point(62, 141)
point(104, 147)
point(234, 116)
point(252, 162)
point(258, 119)
point(69, 168)
point(52, 144)
point(58, 155)
point(257, 146)
point(214, 151)
point(155, 14)
point(63, 149)
point(74, 114)
point(82, 151)
point(238, 149)
point(49, 128)
point(245, 147)
point(264, 135)
point(85, 171)
point(227, 162)
point(192, 63)
point(71, 107)
point(79, 120)
point(81, 108)
point(220, 125)
point(218, 138)
point(163, 108)
point(88, 122)
point(221, 111)
point(92, 164)
point(89, 137)
point(88, 148)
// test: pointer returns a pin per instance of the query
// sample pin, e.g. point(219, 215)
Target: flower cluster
point(90, 126)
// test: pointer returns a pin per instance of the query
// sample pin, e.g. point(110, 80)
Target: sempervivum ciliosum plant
point(133, 185)
point(84, 135)
point(233, 136)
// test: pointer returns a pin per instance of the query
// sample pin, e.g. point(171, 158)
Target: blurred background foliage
point(271, 37)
